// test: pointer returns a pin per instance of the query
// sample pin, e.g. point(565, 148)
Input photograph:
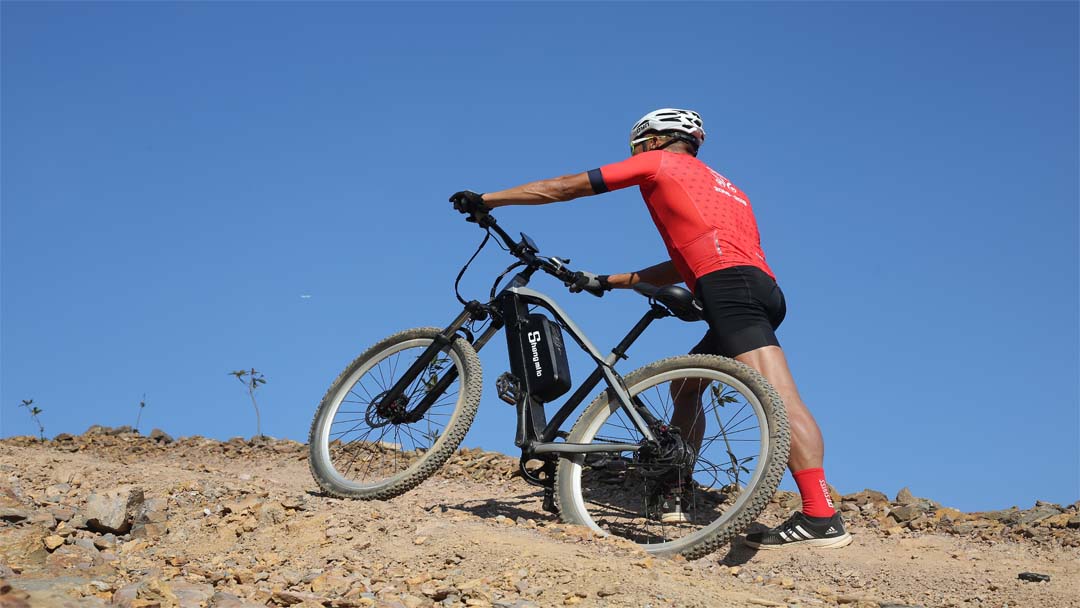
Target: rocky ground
point(113, 518)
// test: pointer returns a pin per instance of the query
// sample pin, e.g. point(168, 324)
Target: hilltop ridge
point(115, 518)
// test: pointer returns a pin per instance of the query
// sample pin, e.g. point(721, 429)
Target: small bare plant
point(34, 411)
point(252, 379)
point(142, 405)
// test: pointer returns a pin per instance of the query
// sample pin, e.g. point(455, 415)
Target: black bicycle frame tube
point(586, 387)
point(436, 391)
point(443, 383)
point(440, 342)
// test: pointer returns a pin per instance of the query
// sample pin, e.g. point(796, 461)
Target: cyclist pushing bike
point(708, 226)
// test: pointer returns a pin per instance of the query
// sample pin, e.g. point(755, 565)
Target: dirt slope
point(204, 523)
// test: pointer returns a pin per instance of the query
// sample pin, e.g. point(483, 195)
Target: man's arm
point(661, 274)
point(565, 188)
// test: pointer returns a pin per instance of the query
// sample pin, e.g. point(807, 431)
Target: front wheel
point(359, 447)
point(679, 496)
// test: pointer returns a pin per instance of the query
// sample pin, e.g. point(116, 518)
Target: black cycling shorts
point(743, 307)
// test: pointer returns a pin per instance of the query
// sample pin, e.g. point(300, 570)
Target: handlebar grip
point(569, 278)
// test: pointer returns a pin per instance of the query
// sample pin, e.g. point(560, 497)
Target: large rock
point(222, 599)
point(867, 497)
point(13, 514)
point(191, 595)
point(151, 520)
point(161, 436)
point(289, 598)
point(11, 508)
point(1005, 516)
point(1039, 513)
point(23, 548)
point(114, 511)
point(154, 591)
point(74, 556)
point(905, 513)
point(904, 496)
point(11, 597)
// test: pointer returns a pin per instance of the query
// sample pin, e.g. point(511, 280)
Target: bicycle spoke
point(393, 366)
point(382, 384)
point(355, 451)
point(408, 432)
point(666, 413)
point(348, 430)
point(369, 397)
point(377, 444)
point(623, 423)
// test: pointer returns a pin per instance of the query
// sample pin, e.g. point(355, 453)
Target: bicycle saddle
point(679, 301)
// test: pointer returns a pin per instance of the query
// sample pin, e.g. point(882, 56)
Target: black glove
point(470, 203)
point(587, 281)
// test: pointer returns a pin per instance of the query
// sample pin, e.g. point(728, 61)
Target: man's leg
point(688, 414)
point(807, 445)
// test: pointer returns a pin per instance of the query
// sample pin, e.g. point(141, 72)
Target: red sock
point(815, 493)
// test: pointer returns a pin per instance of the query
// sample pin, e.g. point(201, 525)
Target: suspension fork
point(443, 383)
point(441, 341)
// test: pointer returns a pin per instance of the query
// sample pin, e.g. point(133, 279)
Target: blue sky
point(175, 176)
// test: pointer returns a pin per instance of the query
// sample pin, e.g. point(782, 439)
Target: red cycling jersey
point(707, 223)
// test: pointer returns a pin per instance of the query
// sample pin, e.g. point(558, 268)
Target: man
point(710, 232)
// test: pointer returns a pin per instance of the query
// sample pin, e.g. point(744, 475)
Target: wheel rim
point(624, 510)
point(361, 446)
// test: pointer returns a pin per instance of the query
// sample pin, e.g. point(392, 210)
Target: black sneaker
point(801, 530)
point(671, 501)
point(671, 509)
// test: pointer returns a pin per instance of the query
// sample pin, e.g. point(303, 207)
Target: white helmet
point(670, 119)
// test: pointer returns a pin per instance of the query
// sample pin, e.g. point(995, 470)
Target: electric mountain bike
point(400, 409)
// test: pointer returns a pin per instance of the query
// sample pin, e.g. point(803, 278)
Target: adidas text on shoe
point(800, 530)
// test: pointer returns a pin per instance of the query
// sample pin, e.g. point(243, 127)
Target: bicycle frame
point(535, 435)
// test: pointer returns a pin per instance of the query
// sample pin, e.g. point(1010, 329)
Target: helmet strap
point(686, 139)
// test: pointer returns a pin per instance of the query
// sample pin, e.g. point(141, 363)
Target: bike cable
point(499, 278)
point(466, 267)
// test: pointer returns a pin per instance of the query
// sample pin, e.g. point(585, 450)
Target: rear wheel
point(721, 486)
point(359, 447)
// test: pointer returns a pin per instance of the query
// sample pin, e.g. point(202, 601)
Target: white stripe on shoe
point(816, 543)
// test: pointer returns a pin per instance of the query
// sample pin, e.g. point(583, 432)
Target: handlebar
point(526, 251)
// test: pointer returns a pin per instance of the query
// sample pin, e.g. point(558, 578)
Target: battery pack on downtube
point(538, 357)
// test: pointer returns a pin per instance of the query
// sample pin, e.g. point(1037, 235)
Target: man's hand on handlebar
point(587, 281)
point(471, 204)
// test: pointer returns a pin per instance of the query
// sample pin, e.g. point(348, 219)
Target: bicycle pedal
point(508, 388)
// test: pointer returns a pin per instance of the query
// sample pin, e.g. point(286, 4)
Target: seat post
point(655, 312)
